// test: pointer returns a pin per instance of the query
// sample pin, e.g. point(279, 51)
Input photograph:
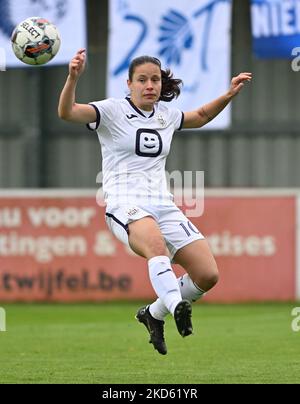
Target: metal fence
point(260, 150)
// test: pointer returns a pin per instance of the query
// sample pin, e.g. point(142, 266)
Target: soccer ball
point(35, 41)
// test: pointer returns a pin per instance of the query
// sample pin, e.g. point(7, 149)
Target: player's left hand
point(238, 82)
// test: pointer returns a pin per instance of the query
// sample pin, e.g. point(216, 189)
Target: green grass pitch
point(103, 343)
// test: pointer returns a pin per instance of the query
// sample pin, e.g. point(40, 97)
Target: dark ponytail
point(170, 86)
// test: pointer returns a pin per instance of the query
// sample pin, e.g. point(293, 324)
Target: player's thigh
point(177, 229)
point(146, 239)
point(118, 219)
point(198, 261)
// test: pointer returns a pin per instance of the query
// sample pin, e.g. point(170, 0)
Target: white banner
point(191, 37)
point(67, 15)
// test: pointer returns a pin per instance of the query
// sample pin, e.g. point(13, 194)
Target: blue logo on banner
point(175, 35)
point(275, 27)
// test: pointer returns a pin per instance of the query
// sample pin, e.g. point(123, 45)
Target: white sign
point(2, 320)
point(190, 37)
point(67, 15)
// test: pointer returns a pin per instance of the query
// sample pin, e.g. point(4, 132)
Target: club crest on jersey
point(161, 121)
point(132, 211)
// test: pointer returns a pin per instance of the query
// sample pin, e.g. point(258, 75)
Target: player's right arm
point(68, 109)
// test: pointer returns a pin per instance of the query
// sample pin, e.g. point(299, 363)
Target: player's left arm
point(207, 112)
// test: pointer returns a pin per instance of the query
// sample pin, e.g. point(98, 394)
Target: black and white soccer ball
point(35, 41)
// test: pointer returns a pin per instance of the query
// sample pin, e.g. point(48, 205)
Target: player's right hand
point(77, 64)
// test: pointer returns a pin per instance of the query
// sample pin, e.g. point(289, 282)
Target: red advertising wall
point(59, 249)
point(254, 242)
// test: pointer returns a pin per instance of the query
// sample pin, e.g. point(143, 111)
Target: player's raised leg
point(202, 275)
point(145, 239)
point(197, 259)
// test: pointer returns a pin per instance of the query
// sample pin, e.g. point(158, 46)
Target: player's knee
point(206, 280)
point(213, 277)
point(156, 246)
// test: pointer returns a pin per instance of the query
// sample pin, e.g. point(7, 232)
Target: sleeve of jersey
point(105, 113)
point(178, 118)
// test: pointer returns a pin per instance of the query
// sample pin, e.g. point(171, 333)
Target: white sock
point(189, 291)
point(164, 282)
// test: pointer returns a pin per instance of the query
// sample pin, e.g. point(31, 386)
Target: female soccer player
point(135, 134)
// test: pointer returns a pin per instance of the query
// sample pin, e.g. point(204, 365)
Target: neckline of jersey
point(138, 110)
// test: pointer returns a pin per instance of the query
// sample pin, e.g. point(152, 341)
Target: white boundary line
point(85, 193)
point(252, 192)
point(49, 193)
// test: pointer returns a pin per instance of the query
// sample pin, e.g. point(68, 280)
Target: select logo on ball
point(35, 41)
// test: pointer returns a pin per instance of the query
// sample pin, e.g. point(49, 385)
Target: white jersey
point(134, 150)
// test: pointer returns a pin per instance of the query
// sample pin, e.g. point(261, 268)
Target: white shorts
point(176, 228)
